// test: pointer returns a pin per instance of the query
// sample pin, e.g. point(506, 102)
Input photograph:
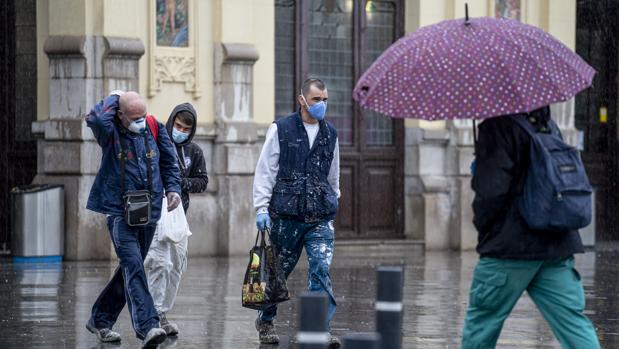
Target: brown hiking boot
point(266, 332)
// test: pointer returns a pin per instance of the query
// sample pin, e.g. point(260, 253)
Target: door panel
point(381, 139)
point(346, 214)
point(381, 191)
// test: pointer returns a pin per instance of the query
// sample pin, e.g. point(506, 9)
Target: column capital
point(241, 53)
point(65, 45)
point(129, 47)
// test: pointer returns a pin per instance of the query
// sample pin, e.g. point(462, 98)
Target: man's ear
point(300, 100)
point(119, 119)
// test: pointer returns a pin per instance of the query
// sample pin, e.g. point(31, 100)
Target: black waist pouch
point(137, 207)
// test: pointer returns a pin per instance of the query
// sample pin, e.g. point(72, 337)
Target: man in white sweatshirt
point(296, 191)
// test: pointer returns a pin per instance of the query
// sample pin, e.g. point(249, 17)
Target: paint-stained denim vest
point(302, 190)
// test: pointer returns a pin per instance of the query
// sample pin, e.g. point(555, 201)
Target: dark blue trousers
point(289, 237)
point(129, 284)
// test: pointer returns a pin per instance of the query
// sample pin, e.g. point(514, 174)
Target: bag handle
point(261, 234)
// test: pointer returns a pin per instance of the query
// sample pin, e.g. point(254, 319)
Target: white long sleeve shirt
point(268, 166)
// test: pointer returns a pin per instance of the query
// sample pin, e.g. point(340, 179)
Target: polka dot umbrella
point(477, 68)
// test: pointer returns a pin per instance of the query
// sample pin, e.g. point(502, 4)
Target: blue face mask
point(137, 126)
point(178, 136)
point(317, 110)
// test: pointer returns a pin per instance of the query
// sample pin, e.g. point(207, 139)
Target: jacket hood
point(170, 124)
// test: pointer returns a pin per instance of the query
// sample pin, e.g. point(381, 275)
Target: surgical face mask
point(317, 110)
point(137, 126)
point(178, 136)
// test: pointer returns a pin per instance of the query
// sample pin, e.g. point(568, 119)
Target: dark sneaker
point(154, 337)
point(334, 342)
point(103, 334)
point(266, 332)
point(170, 328)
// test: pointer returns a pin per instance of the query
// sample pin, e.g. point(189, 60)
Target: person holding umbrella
point(507, 73)
point(514, 256)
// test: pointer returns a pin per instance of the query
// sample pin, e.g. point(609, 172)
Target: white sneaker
point(103, 334)
point(170, 328)
point(154, 337)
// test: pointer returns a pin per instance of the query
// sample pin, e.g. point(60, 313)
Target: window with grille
point(335, 40)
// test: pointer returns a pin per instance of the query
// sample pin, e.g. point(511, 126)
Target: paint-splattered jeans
point(128, 285)
point(289, 237)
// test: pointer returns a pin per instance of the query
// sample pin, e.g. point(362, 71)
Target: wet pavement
point(46, 306)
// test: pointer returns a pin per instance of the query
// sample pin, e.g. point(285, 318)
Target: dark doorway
point(337, 40)
point(596, 108)
point(18, 107)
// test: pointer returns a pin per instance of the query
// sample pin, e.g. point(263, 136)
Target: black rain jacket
point(501, 164)
point(190, 157)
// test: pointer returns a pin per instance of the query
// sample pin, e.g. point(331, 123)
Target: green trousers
point(554, 286)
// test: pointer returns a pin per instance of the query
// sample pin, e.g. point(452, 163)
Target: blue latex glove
point(263, 221)
point(473, 167)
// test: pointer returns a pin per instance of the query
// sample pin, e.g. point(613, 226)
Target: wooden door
point(337, 40)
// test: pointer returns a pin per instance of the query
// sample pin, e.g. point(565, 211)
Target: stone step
point(379, 245)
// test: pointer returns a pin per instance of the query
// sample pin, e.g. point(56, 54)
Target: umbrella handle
point(474, 136)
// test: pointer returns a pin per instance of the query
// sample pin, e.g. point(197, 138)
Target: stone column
point(82, 70)
point(565, 116)
point(428, 199)
point(237, 146)
point(463, 232)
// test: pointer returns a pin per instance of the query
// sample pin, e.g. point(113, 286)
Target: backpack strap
point(153, 126)
point(149, 166)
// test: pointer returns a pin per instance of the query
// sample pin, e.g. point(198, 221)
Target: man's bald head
point(132, 105)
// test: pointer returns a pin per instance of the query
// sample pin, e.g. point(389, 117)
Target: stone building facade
point(227, 70)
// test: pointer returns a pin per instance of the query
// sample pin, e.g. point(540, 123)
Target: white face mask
point(137, 126)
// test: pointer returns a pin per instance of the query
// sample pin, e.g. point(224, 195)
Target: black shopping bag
point(264, 282)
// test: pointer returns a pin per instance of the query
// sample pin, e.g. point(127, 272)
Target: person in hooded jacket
point(166, 261)
point(513, 257)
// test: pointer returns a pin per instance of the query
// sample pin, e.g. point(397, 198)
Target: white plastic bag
point(172, 225)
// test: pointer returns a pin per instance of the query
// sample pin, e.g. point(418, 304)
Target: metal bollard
point(362, 341)
point(313, 328)
point(389, 306)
